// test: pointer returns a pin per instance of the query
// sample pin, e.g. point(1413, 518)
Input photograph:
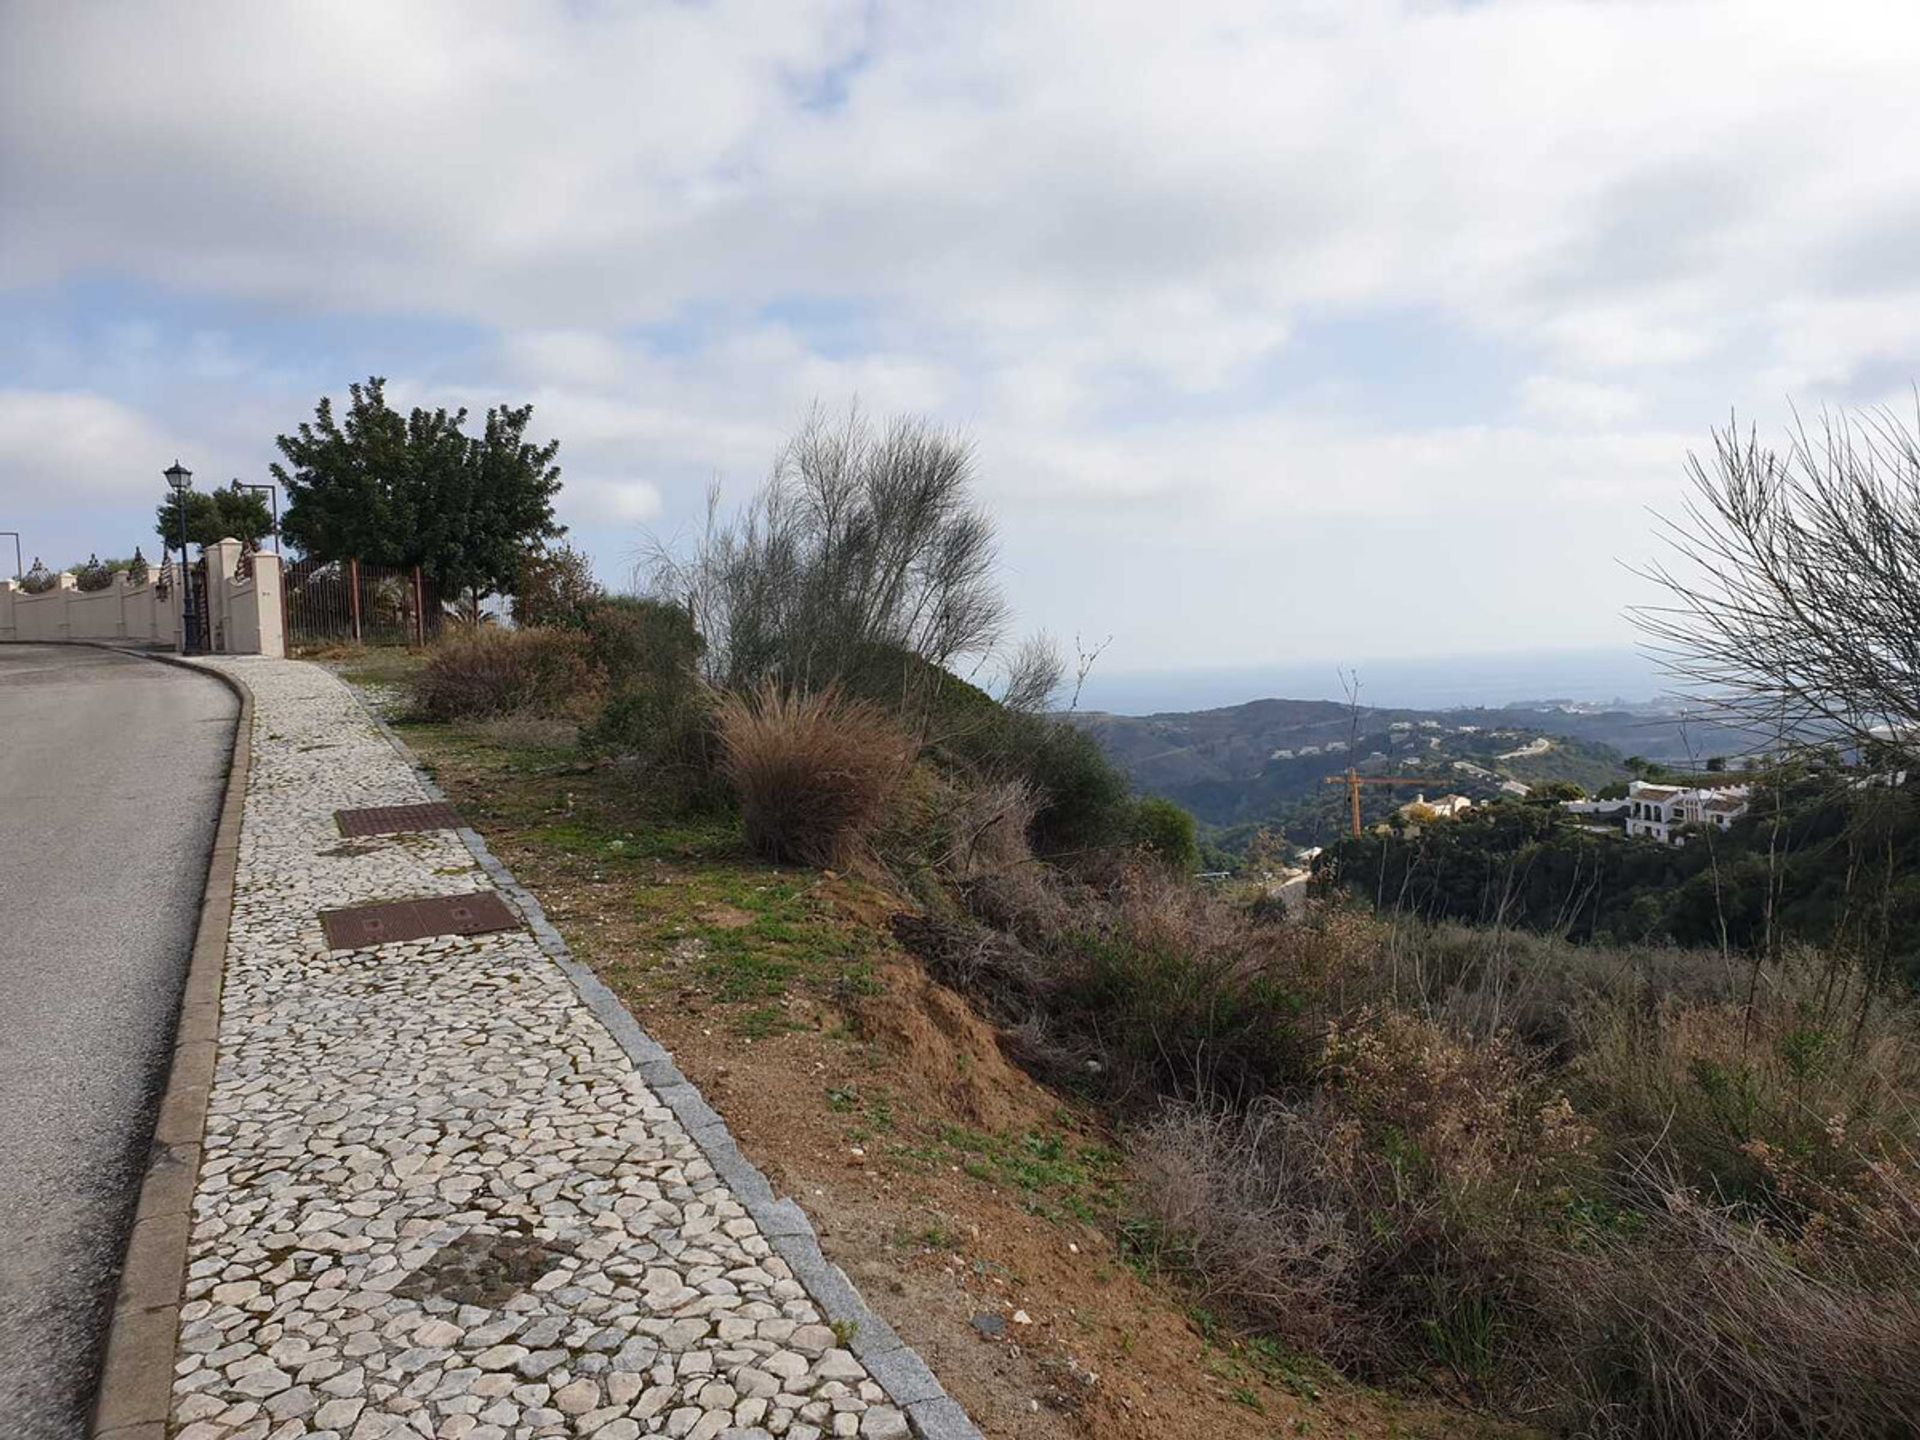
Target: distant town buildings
point(1662, 812)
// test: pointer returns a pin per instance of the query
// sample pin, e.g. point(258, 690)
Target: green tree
point(213, 516)
point(1166, 832)
point(1554, 791)
point(388, 489)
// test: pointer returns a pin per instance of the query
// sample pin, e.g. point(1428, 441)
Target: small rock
point(437, 1335)
point(577, 1398)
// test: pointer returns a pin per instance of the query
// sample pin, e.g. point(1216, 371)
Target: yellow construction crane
point(1353, 780)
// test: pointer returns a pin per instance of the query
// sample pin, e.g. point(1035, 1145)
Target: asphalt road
point(111, 772)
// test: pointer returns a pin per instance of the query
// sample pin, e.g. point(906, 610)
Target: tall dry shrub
point(958, 828)
point(816, 773)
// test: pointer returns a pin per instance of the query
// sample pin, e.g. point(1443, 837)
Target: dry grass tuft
point(816, 774)
point(1374, 1220)
point(1705, 1326)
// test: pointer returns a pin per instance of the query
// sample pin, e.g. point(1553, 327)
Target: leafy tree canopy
point(1166, 832)
point(213, 516)
point(402, 490)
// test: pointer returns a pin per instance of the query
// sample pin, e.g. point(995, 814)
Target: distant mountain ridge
point(1267, 761)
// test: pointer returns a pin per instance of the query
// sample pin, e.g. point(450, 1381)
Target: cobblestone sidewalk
point(441, 1197)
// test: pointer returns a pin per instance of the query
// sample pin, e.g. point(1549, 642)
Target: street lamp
point(180, 479)
point(273, 492)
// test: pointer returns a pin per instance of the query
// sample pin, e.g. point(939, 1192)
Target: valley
point(1267, 762)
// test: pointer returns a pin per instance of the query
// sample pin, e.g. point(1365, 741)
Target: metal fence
point(342, 602)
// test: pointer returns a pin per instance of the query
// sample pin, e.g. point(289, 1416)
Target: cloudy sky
point(1286, 331)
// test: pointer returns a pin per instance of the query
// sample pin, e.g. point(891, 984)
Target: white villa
point(1447, 807)
point(1661, 811)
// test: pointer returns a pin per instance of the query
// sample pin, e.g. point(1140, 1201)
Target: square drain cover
point(394, 819)
point(364, 926)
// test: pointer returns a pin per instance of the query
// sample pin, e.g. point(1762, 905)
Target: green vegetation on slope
point(1816, 860)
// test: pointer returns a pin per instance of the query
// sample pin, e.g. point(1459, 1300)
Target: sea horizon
point(1594, 675)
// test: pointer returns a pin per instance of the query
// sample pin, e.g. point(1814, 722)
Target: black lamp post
point(273, 493)
point(180, 479)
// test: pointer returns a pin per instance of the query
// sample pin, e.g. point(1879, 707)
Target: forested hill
point(1266, 762)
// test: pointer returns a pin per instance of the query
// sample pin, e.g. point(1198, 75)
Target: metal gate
point(343, 602)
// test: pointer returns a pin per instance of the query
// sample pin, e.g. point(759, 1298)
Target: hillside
point(1267, 761)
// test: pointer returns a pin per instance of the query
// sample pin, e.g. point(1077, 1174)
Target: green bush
point(95, 575)
point(640, 641)
point(1085, 798)
point(1083, 804)
point(669, 733)
point(1166, 832)
point(481, 672)
point(658, 714)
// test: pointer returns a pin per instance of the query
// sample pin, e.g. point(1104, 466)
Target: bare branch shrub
point(1034, 675)
point(863, 550)
point(1793, 608)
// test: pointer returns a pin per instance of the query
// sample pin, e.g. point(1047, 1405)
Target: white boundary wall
point(244, 611)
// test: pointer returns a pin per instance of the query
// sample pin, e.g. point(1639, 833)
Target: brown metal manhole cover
point(364, 926)
point(481, 1269)
point(397, 819)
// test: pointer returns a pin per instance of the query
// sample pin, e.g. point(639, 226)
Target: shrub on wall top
point(93, 576)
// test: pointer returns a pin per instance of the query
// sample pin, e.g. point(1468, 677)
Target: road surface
point(111, 771)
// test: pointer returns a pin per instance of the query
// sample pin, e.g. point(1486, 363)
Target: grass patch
point(701, 911)
point(1056, 1176)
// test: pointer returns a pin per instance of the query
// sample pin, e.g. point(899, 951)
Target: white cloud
point(75, 449)
point(618, 502)
point(1580, 404)
point(1110, 240)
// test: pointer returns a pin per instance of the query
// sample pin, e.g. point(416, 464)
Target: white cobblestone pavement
point(438, 1196)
